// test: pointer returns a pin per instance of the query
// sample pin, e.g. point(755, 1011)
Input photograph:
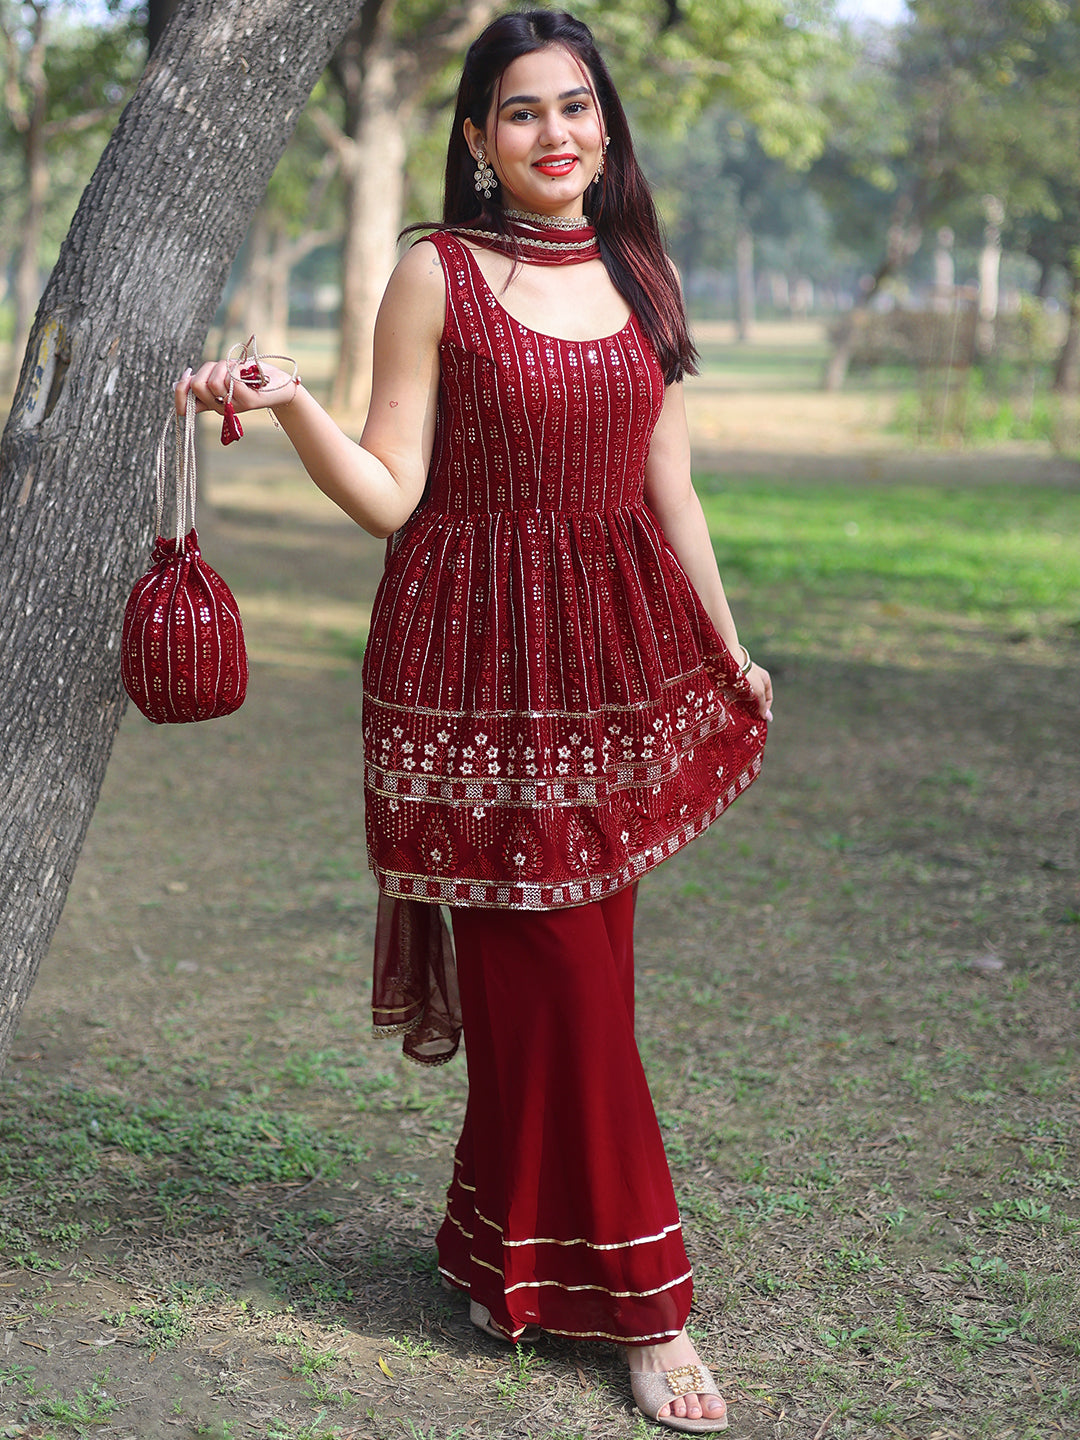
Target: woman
point(555, 696)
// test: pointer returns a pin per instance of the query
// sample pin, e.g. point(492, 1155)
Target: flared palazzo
point(561, 1211)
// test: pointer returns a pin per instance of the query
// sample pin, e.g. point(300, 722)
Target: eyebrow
point(535, 99)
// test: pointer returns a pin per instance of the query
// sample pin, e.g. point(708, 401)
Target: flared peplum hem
point(550, 714)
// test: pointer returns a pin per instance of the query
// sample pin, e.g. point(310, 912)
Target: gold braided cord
point(564, 247)
point(548, 222)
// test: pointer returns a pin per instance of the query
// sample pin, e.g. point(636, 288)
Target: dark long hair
point(620, 205)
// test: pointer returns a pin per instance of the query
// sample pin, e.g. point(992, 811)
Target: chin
point(549, 197)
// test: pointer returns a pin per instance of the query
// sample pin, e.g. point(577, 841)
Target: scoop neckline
point(541, 334)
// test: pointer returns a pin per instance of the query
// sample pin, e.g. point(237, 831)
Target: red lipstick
point(556, 165)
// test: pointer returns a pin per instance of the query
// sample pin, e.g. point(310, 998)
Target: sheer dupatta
point(415, 990)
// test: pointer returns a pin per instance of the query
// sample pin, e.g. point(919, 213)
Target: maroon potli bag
point(182, 654)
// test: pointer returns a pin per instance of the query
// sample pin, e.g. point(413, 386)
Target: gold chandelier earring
point(603, 157)
point(484, 178)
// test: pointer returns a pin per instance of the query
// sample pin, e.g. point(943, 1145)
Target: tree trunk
point(1067, 369)
point(943, 297)
point(383, 76)
point(277, 294)
point(904, 238)
point(126, 308)
point(36, 174)
point(248, 304)
point(374, 170)
point(744, 282)
point(158, 15)
point(989, 276)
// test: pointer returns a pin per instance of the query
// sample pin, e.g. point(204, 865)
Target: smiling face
point(544, 136)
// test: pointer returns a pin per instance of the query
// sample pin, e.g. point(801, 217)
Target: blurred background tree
point(66, 74)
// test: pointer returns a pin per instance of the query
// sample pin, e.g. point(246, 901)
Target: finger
point(211, 385)
point(180, 391)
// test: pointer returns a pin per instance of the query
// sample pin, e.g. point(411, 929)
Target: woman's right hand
point(210, 385)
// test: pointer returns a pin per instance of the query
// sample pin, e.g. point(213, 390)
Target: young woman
point(555, 695)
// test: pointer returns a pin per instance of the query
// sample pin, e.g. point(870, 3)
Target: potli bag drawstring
point(182, 653)
point(245, 363)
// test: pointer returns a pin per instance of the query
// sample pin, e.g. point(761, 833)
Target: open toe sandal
point(653, 1389)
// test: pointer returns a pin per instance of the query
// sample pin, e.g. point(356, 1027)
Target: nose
point(554, 129)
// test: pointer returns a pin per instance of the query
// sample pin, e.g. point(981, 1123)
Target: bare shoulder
point(420, 269)
point(416, 292)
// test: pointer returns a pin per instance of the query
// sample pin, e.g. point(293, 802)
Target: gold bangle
point(744, 668)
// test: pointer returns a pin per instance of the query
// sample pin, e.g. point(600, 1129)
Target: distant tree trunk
point(126, 308)
point(27, 113)
point(259, 301)
point(1067, 369)
point(744, 281)
point(247, 308)
point(383, 75)
point(904, 238)
point(989, 275)
point(373, 165)
point(944, 294)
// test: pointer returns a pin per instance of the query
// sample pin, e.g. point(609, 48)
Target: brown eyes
point(576, 107)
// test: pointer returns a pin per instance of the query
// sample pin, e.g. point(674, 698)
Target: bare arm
point(670, 495)
point(378, 482)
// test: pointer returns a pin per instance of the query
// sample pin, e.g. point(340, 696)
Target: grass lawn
point(858, 1010)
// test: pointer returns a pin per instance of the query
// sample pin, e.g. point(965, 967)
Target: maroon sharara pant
point(561, 1211)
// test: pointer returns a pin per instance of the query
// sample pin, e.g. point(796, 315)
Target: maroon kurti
point(548, 710)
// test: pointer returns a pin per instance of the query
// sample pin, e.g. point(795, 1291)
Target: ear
point(474, 138)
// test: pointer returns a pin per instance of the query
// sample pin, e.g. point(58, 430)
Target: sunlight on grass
point(997, 555)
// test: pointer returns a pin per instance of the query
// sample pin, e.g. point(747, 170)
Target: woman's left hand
point(761, 684)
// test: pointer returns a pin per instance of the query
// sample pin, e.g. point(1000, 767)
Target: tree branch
point(76, 124)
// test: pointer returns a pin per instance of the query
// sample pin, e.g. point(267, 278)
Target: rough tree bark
point(126, 308)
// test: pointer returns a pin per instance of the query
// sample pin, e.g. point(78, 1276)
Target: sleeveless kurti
point(548, 710)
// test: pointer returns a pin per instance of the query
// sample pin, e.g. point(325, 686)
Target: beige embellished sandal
point(480, 1316)
point(653, 1389)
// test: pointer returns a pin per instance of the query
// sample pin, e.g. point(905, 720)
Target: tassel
point(231, 429)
